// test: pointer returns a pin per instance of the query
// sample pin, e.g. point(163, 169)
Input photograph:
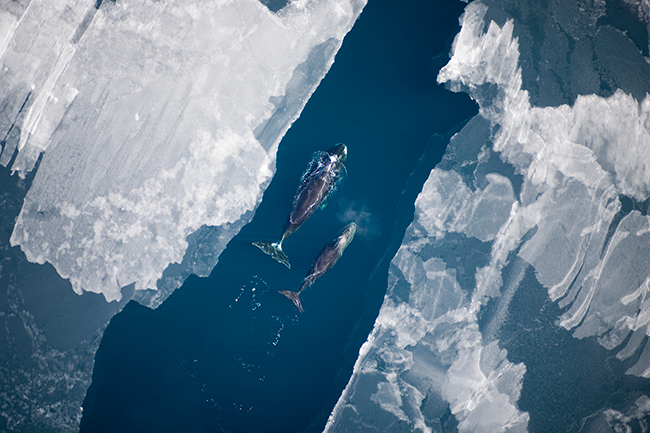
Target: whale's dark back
point(310, 198)
point(327, 258)
point(316, 186)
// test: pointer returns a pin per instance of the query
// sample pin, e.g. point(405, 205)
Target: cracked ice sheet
point(148, 120)
point(575, 163)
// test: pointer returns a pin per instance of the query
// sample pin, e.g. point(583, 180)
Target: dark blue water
point(227, 352)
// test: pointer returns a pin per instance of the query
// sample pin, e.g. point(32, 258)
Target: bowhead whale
point(316, 185)
point(325, 260)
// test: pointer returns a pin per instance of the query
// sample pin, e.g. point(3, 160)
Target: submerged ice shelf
point(155, 126)
point(520, 186)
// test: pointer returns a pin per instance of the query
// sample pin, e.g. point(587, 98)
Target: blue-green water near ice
point(227, 352)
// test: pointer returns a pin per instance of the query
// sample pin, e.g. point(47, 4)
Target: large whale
point(316, 185)
point(325, 260)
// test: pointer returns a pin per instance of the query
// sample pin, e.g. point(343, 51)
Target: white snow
point(155, 118)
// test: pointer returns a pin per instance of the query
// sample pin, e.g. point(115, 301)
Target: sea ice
point(156, 118)
point(576, 161)
point(553, 203)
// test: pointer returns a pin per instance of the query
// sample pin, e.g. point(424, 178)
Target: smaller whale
point(327, 258)
point(317, 184)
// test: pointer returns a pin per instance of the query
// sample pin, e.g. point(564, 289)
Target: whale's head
point(347, 234)
point(350, 229)
point(340, 151)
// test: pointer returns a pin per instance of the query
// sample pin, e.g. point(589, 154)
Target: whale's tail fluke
point(274, 250)
point(294, 296)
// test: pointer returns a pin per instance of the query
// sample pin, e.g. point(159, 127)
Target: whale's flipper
point(274, 250)
point(294, 296)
